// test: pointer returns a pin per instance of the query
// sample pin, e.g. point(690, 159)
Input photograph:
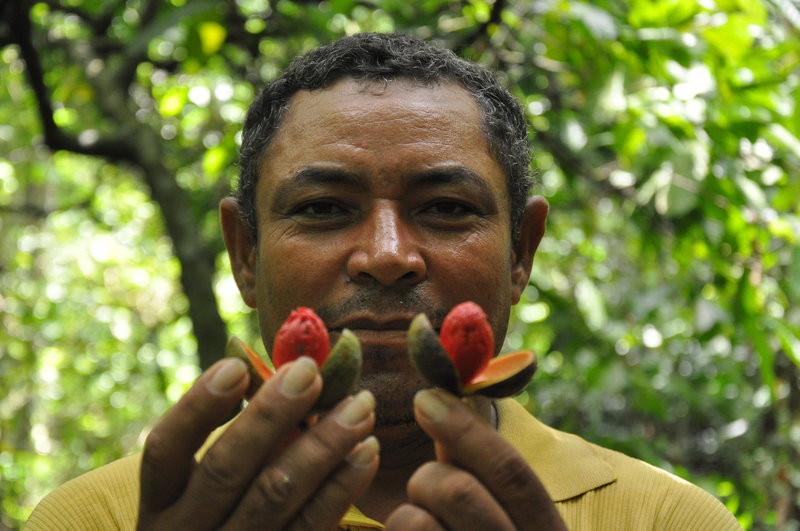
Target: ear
point(532, 228)
point(242, 250)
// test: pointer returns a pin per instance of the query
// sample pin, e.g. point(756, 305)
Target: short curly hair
point(381, 57)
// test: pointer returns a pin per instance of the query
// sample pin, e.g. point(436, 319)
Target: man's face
point(376, 203)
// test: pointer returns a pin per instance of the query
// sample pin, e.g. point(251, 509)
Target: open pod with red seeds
point(305, 334)
point(460, 359)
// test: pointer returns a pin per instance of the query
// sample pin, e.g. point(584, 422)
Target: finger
point(457, 498)
point(473, 445)
point(410, 517)
point(339, 492)
point(168, 456)
point(229, 466)
point(290, 480)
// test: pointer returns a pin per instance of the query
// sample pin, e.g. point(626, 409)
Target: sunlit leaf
point(212, 36)
point(173, 101)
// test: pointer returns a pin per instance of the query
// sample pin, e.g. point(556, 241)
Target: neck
point(403, 450)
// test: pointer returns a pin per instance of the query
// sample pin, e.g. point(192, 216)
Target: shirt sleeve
point(695, 509)
point(105, 498)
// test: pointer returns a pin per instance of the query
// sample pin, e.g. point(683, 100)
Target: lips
point(386, 332)
point(374, 323)
point(375, 329)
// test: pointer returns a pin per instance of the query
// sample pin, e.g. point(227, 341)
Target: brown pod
point(303, 333)
point(456, 370)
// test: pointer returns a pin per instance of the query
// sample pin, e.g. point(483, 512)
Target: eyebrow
point(452, 175)
point(320, 176)
point(315, 176)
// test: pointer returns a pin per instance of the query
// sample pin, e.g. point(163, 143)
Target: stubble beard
point(387, 371)
point(393, 389)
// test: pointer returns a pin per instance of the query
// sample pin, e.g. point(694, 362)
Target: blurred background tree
point(664, 300)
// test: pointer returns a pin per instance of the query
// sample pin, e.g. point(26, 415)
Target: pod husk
point(256, 368)
point(505, 376)
point(340, 372)
point(429, 357)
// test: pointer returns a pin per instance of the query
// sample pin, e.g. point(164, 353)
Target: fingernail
point(299, 377)
point(363, 454)
point(430, 405)
point(357, 410)
point(229, 373)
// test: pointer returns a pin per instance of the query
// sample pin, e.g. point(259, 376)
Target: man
point(381, 178)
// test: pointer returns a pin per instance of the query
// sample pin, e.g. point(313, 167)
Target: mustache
point(380, 300)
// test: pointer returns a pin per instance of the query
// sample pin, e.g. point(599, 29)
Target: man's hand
point(262, 472)
point(479, 481)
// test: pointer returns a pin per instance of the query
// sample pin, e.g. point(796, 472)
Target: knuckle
point(305, 521)
point(216, 474)
point(422, 479)
point(275, 487)
point(320, 443)
point(511, 471)
point(268, 413)
point(458, 489)
point(310, 518)
point(157, 451)
point(324, 506)
point(466, 429)
point(423, 521)
point(409, 516)
point(320, 507)
point(443, 485)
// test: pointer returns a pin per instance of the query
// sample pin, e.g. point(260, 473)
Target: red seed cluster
point(468, 340)
point(302, 334)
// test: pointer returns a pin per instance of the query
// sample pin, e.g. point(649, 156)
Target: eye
point(319, 209)
point(450, 208)
point(321, 214)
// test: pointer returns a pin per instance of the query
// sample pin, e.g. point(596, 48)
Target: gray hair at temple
point(379, 57)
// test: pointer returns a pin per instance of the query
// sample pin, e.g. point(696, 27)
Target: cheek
point(304, 280)
point(299, 280)
point(480, 270)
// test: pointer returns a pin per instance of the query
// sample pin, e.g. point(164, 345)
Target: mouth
point(374, 329)
point(375, 323)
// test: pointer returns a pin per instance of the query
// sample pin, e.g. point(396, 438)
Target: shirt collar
point(566, 464)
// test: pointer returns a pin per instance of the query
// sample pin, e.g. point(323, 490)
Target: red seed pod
point(468, 340)
point(302, 334)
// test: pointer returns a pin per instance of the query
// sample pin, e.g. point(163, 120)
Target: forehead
point(382, 129)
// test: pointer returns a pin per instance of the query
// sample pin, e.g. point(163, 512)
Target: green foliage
point(664, 300)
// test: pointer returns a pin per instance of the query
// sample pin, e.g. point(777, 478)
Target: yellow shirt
point(594, 488)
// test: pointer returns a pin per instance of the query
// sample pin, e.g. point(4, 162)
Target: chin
point(391, 378)
point(394, 397)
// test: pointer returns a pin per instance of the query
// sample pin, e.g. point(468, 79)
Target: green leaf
point(212, 36)
point(215, 160)
point(790, 341)
point(766, 356)
point(172, 103)
point(591, 304)
point(733, 39)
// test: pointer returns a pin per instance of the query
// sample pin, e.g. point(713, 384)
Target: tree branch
point(55, 138)
point(141, 148)
point(482, 30)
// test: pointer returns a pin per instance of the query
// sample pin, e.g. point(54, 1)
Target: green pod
point(340, 372)
point(428, 356)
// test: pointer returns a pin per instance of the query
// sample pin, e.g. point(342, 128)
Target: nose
point(387, 251)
